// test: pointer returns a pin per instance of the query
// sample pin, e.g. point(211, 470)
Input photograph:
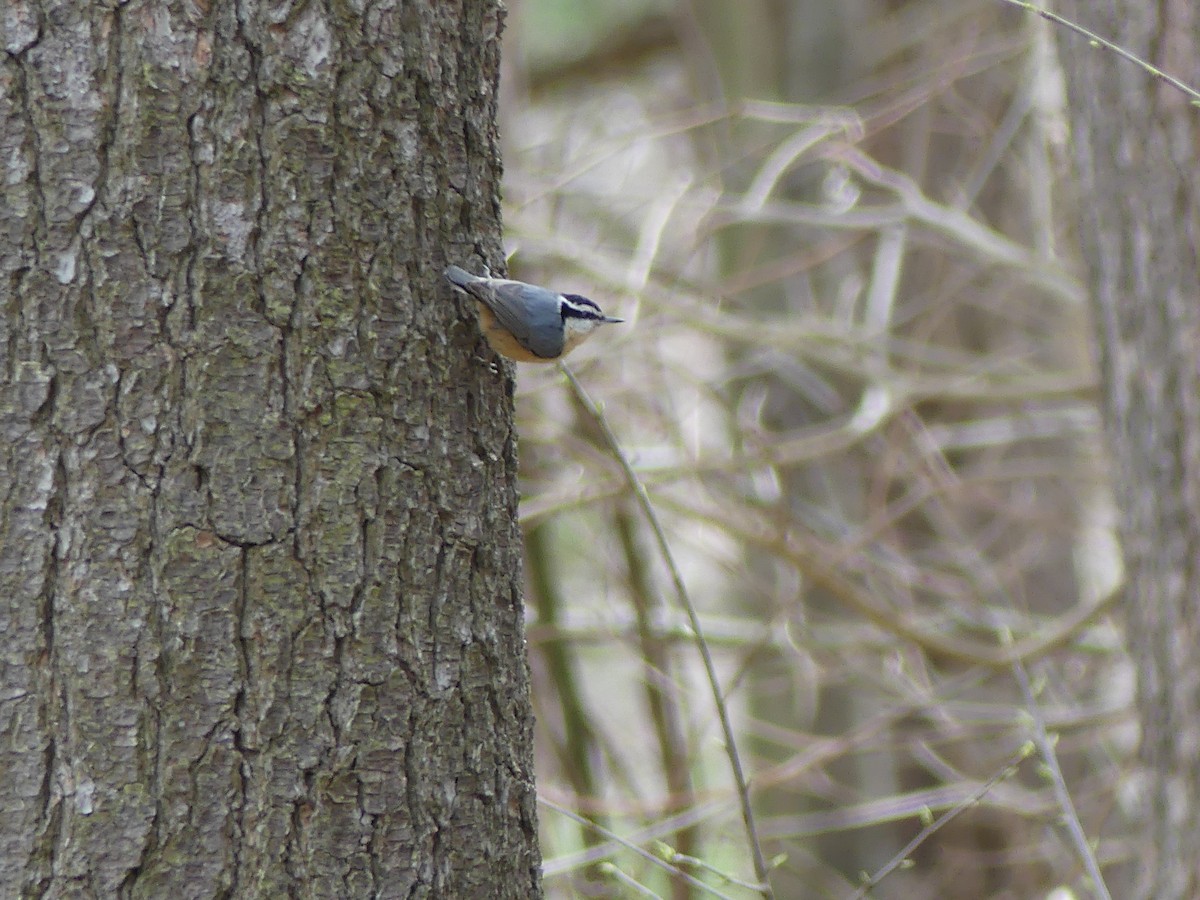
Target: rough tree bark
point(259, 577)
point(1136, 143)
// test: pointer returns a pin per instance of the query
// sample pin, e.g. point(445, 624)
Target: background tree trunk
point(1135, 141)
point(259, 572)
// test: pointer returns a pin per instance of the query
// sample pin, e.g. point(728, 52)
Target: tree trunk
point(1136, 143)
point(259, 570)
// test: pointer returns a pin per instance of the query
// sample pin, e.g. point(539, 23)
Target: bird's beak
point(612, 320)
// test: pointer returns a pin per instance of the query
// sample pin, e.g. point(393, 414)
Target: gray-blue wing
point(530, 313)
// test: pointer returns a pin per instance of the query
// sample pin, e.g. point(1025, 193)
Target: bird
point(525, 322)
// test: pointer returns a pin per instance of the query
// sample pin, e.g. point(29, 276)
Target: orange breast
point(502, 341)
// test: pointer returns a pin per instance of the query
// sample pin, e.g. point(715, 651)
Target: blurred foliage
point(551, 34)
point(856, 384)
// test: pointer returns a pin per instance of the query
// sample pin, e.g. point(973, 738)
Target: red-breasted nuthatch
point(525, 322)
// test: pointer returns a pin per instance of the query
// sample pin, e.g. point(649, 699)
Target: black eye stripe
point(571, 312)
point(578, 307)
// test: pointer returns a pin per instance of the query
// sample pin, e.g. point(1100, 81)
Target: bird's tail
point(459, 277)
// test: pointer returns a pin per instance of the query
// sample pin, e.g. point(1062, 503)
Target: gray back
point(530, 313)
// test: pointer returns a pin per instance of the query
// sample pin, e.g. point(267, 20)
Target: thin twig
point(628, 881)
point(898, 860)
point(1070, 817)
point(632, 847)
point(703, 811)
point(735, 762)
point(1109, 45)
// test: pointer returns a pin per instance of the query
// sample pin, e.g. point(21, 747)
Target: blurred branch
point(578, 745)
point(822, 563)
point(829, 440)
point(661, 698)
point(913, 206)
point(735, 762)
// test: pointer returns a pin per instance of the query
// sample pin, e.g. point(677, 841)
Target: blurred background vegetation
point(856, 383)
